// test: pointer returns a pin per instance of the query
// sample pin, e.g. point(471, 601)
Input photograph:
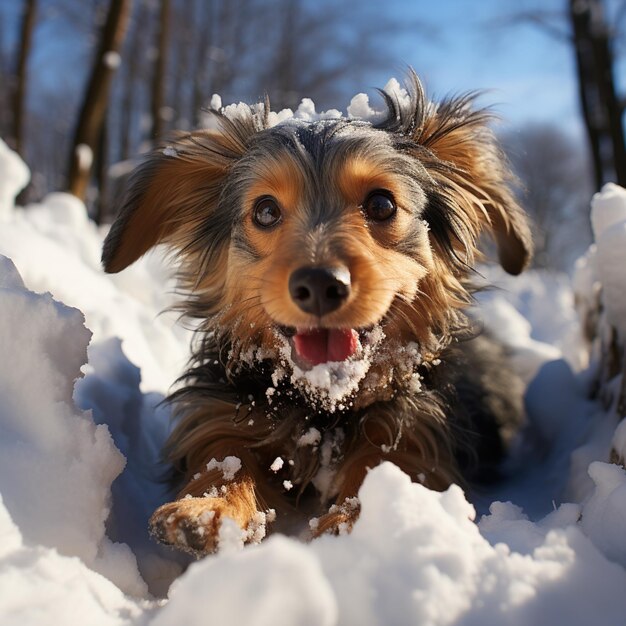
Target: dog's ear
point(479, 174)
point(171, 194)
point(471, 192)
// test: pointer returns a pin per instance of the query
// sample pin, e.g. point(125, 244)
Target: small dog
point(329, 265)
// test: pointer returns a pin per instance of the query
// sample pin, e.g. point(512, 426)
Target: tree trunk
point(88, 130)
point(159, 79)
point(19, 98)
point(601, 108)
point(102, 159)
point(183, 76)
point(203, 43)
point(130, 103)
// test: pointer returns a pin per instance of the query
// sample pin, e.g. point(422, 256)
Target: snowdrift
point(87, 358)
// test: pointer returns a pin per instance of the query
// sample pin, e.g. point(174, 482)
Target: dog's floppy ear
point(461, 138)
point(471, 191)
point(172, 193)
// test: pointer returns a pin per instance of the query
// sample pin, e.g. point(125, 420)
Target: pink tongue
point(321, 345)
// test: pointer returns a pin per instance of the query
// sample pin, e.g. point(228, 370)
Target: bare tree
point(184, 26)
point(129, 106)
point(5, 78)
point(27, 28)
point(240, 50)
point(159, 76)
point(601, 107)
point(313, 56)
point(91, 117)
point(205, 16)
point(583, 25)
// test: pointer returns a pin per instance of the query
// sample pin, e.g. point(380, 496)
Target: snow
point(359, 108)
point(229, 466)
point(310, 438)
point(277, 464)
point(15, 176)
point(216, 102)
point(112, 59)
point(57, 249)
point(610, 258)
point(607, 209)
point(86, 361)
point(604, 513)
point(40, 586)
point(84, 154)
point(278, 583)
point(439, 569)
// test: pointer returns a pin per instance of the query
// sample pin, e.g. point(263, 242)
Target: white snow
point(609, 225)
point(14, 178)
point(229, 466)
point(40, 586)
point(216, 102)
point(604, 512)
point(310, 438)
point(84, 154)
point(608, 209)
point(112, 59)
point(56, 465)
point(57, 249)
point(359, 108)
point(277, 464)
point(81, 429)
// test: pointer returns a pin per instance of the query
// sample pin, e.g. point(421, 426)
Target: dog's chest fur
point(466, 399)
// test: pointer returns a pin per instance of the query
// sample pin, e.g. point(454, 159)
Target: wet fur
point(449, 179)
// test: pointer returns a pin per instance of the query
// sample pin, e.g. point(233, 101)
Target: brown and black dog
point(329, 266)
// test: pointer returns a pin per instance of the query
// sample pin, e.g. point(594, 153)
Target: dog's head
point(312, 234)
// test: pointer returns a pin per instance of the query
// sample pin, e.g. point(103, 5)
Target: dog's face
point(329, 233)
point(314, 233)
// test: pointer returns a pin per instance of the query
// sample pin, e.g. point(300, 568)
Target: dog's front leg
point(193, 523)
point(422, 455)
point(343, 514)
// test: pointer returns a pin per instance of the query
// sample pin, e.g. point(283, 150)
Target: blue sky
point(457, 45)
point(529, 74)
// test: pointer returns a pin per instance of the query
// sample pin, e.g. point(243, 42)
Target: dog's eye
point(379, 206)
point(266, 212)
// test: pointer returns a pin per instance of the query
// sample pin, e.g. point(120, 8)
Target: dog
point(329, 266)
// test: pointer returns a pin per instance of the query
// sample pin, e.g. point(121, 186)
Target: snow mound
point(280, 582)
point(40, 586)
point(56, 248)
point(417, 553)
point(56, 465)
point(81, 428)
point(608, 218)
point(15, 177)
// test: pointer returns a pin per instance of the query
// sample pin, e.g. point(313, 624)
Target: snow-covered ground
point(85, 359)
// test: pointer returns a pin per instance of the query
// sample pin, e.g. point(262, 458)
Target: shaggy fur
point(431, 402)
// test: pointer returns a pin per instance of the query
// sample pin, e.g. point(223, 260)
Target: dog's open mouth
point(323, 345)
point(326, 364)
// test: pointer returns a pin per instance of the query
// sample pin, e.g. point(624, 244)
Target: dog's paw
point(193, 524)
point(190, 524)
point(339, 520)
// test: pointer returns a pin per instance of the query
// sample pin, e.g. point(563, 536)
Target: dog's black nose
point(320, 290)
